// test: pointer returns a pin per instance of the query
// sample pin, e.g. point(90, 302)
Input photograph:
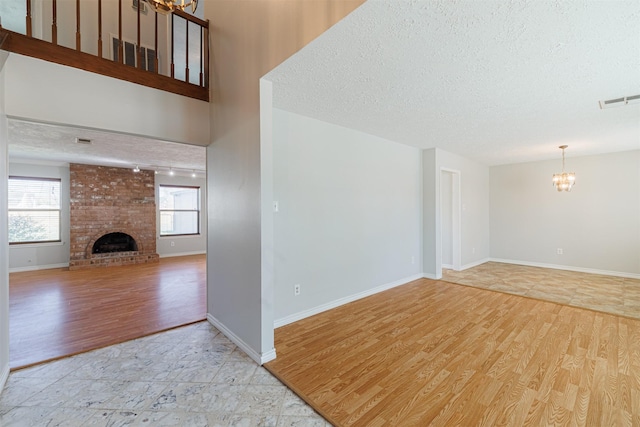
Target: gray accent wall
point(349, 213)
point(597, 224)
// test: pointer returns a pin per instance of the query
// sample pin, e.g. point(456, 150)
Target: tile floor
point(608, 294)
point(190, 376)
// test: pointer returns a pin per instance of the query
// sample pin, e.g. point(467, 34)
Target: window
point(34, 210)
point(179, 210)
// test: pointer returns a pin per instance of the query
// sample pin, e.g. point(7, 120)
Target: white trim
point(448, 266)
point(474, 264)
point(259, 359)
point(182, 254)
point(341, 301)
point(4, 376)
point(430, 276)
point(568, 268)
point(38, 267)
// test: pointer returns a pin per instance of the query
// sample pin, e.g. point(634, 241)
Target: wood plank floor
point(56, 313)
point(442, 354)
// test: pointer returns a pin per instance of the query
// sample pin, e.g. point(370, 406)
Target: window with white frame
point(34, 210)
point(179, 210)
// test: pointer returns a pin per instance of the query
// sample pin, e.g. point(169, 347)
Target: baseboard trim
point(4, 376)
point(260, 359)
point(342, 301)
point(568, 268)
point(430, 276)
point(38, 267)
point(182, 254)
point(448, 266)
point(474, 264)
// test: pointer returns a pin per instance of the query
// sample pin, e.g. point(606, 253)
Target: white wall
point(47, 92)
point(183, 245)
point(474, 198)
point(43, 255)
point(597, 224)
point(349, 219)
point(474, 210)
point(4, 234)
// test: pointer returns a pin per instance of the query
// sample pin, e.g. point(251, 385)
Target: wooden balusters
point(54, 22)
point(186, 54)
point(78, 47)
point(99, 28)
point(120, 44)
point(173, 74)
point(140, 55)
point(201, 55)
point(29, 28)
point(155, 48)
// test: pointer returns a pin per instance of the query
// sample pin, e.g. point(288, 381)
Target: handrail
point(29, 46)
point(135, 57)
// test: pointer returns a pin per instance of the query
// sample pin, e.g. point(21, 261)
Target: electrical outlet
point(276, 206)
point(559, 251)
point(296, 290)
point(413, 260)
point(173, 243)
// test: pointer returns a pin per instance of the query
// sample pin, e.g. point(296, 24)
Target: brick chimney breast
point(111, 200)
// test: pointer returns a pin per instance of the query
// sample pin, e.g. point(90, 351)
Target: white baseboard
point(4, 376)
point(182, 254)
point(474, 264)
point(342, 301)
point(430, 276)
point(448, 266)
point(568, 268)
point(38, 267)
point(260, 359)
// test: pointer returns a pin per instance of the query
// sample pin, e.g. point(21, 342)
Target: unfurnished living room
point(382, 213)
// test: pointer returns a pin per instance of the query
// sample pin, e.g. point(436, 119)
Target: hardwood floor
point(56, 313)
point(442, 354)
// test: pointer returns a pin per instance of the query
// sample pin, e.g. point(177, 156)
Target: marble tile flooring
point(608, 294)
point(189, 376)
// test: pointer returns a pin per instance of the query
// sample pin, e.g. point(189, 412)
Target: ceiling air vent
point(619, 102)
point(84, 141)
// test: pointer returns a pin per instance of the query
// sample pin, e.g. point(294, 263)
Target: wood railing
point(129, 59)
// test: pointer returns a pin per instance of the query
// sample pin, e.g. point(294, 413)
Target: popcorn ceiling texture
point(108, 200)
point(495, 81)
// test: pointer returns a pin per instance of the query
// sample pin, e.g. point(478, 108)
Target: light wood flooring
point(56, 313)
point(433, 353)
point(609, 294)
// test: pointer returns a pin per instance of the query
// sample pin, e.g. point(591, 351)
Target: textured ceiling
point(37, 141)
point(495, 81)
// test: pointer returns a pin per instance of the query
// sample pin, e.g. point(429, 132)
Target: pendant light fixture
point(564, 181)
point(169, 6)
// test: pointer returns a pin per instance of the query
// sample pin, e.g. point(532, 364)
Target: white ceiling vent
point(619, 102)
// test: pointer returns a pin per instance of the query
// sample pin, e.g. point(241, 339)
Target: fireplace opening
point(114, 242)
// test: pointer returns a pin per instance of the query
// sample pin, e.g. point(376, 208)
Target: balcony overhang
point(14, 42)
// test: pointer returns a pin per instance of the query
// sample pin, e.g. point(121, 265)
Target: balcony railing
point(124, 39)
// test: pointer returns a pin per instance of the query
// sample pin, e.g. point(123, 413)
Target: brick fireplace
point(107, 201)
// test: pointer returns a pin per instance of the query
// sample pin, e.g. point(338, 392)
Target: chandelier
point(565, 180)
point(169, 6)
